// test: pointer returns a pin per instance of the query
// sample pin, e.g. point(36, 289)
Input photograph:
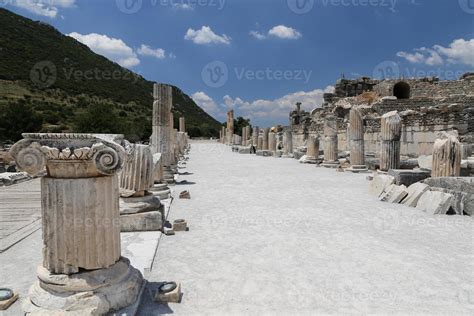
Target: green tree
point(18, 118)
point(98, 118)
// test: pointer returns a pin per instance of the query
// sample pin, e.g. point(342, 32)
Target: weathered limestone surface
point(394, 193)
point(446, 155)
point(81, 224)
point(260, 143)
point(380, 183)
point(312, 152)
point(434, 202)
point(415, 191)
point(160, 139)
point(230, 127)
point(391, 125)
point(137, 174)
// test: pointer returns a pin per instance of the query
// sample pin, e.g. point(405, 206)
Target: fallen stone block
point(185, 195)
point(415, 191)
point(380, 183)
point(462, 189)
point(434, 202)
point(394, 193)
point(7, 298)
point(408, 177)
point(244, 150)
point(149, 221)
point(264, 153)
point(180, 225)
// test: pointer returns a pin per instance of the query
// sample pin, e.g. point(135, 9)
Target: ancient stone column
point(161, 137)
point(287, 143)
point(330, 143)
point(265, 139)
point(255, 133)
point(160, 187)
point(271, 142)
point(248, 136)
point(260, 143)
point(244, 136)
point(446, 155)
point(356, 141)
point(230, 127)
point(182, 124)
point(82, 269)
point(391, 130)
point(140, 210)
point(223, 137)
point(313, 147)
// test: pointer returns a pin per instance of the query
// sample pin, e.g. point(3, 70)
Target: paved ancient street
point(271, 235)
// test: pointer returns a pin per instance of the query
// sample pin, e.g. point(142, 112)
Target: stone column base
point(94, 292)
point(357, 168)
point(161, 190)
point(141, 214)
point(330, 164)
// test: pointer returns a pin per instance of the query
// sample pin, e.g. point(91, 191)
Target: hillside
point(50, 82)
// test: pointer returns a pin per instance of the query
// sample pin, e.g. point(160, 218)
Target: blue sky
point(261, 56)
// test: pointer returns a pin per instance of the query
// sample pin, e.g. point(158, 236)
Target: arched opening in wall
point(402, 90)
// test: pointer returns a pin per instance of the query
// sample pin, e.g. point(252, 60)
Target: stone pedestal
point(391, 130)
point(446, 155)
point(82, 271)
point(266, 131)
point(137, 205)
point(330, 143)
point(356, 137)
point(312, 151)
point(160, 187)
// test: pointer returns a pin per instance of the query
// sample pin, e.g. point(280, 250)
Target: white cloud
point(48, 8)
point(280, 31)
point(207, 104)
point(284, 32)
point(206, 36)
point(277, 109)
point(112, 48)
point(459, 51)
point(146, 50)
point(258, 35)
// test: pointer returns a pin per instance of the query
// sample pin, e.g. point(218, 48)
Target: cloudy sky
point(260, 57)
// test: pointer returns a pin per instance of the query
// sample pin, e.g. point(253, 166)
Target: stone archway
point(402, 90)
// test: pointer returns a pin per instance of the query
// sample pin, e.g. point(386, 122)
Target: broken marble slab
point(408, 177)
point(462, 189)
point(415, 191)
point(394, 193)
point(434, 202)
point(380, 183)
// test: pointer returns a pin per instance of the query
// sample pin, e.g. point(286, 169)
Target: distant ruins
point(416, 134)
